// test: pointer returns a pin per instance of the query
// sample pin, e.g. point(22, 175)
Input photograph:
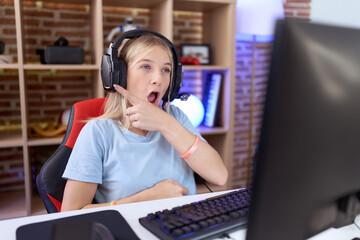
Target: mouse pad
point(112, 219)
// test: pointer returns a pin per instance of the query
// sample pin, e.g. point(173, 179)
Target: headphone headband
point(114, 69)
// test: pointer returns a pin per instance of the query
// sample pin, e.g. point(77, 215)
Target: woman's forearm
point(205, 160)
point(164, 189)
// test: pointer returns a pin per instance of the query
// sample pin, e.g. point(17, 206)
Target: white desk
point(132, 212)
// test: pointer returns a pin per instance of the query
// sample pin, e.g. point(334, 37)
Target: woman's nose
point(156, 78)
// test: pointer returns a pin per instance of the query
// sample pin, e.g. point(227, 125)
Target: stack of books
point(211, 99)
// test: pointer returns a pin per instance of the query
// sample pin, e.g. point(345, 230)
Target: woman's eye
point(146, 67)
point(166, 70)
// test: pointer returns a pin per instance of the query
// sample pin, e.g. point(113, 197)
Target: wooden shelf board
point(11, 139)
point(44, 141)
point(61, 67)
point(9, 66)
point(200, 5)
point(179, 5)
point(69, 1)
point(133, 3)
point(122, 3)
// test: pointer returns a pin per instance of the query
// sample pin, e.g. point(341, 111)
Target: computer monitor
point(307, 177)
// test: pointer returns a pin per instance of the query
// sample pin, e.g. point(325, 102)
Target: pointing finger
point(131, 98)
point(185, 191)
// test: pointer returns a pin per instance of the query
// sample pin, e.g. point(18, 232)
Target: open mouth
point(152, 97)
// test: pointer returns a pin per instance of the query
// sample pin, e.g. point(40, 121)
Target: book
point(211, 98)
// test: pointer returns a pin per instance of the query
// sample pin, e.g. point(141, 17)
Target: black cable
point(199, 179)
point(226, 235)
point(207, 186)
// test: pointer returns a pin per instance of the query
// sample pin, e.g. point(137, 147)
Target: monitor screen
point(307, 176)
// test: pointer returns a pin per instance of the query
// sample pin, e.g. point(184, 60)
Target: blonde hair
point(116, 104)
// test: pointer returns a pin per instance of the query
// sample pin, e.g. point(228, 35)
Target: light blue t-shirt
point(124, 163)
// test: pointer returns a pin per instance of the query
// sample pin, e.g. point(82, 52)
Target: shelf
point(133, 3)
point(61, 67)
point(14, 139)
point(9, 66)
point(52, 66)
point(69, 1)
point(200, 5)
point(44, 141)
point(11, 138)
point(122, 3)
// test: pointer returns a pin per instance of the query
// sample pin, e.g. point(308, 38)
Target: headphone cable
point(206, 186)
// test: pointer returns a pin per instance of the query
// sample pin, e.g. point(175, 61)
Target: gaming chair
point(49, 182)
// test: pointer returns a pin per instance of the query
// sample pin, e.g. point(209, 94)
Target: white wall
point(336, 12)
point(258, 17)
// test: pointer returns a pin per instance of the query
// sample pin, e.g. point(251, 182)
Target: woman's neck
point(138, 131)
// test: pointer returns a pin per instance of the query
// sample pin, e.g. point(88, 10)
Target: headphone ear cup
point(178, 79)
point(115, 72)
point(122, 72)
point(106, 72)
point(119, 73)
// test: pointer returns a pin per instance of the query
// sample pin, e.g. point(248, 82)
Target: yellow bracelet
point(192, 148)
point(112, 203)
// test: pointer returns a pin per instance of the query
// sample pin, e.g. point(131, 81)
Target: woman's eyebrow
point(149, 60)
point(145, 60)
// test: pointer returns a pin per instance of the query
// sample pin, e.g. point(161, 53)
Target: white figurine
point(128, 25)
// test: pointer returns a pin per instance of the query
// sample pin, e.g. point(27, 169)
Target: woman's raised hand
point(143, 115)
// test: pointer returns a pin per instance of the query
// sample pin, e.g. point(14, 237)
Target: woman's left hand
point(143, 115)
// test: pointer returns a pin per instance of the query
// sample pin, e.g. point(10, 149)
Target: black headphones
point(114, 69)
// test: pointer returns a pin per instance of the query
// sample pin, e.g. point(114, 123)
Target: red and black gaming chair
point(49, 182)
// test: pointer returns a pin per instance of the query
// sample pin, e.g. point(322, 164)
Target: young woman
point(137, 151)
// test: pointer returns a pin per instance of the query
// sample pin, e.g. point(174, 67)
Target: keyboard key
point(150, 216)
point(218, 219)
point(167, 227)
point(177, 232)
point(195, 227)
point(234, 215)
point(203, 224)
point(186, 229)
point(211, 222)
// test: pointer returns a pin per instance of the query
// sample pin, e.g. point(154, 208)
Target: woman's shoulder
point(97, 127)
point(176, 111)
point(100, 123)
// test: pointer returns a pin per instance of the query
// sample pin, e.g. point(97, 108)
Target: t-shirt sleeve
point(184, 120)
point(85, 162)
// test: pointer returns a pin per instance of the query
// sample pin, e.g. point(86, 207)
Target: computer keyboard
point(211, 217)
